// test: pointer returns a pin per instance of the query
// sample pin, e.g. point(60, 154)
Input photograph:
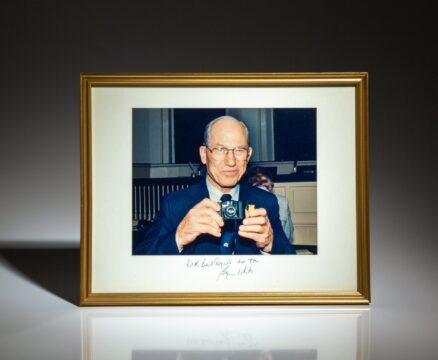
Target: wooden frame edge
point(224, 79)
point(85, 177)
point(362, 188)
point(121, 299)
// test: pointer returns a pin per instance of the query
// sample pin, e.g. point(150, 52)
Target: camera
point(231, 210)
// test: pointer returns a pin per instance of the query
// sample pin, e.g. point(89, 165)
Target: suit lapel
point(198, 191)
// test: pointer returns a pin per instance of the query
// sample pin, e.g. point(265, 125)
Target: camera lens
point(231, 211)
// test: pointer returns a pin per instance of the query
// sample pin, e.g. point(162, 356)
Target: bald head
point(223, 121)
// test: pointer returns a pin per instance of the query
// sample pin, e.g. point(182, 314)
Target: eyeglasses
point(219, 153)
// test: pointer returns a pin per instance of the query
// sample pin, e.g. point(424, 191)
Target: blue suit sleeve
point(160, 238)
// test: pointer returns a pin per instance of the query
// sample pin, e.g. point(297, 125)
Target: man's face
point(224, 173)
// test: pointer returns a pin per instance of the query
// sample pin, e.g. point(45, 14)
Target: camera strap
point(228, 238)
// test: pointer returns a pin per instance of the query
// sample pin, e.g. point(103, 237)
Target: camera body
point(231, 210)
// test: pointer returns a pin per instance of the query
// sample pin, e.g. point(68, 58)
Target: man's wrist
point(268, 248)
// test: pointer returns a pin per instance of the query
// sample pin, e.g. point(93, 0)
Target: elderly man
point(189, 223)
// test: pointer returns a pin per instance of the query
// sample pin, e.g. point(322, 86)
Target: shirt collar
point(215, 194)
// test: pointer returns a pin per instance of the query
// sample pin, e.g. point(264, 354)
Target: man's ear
point(203, 154)
point(249, 152)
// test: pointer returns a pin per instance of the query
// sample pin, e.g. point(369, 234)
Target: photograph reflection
point(225, 333)
point(226, 355)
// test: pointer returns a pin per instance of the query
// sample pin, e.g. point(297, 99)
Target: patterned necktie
point(228, 237)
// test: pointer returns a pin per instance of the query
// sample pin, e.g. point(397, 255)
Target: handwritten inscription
point(227, 268)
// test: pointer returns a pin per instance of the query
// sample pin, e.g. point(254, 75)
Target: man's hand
point(203, 218)
point(256, 226)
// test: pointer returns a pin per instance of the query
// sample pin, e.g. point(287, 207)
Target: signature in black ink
point(246, 270)
point(208, 263)
point(229, 268)
point(225, 274)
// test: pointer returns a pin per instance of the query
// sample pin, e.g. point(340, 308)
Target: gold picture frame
point(110, 275)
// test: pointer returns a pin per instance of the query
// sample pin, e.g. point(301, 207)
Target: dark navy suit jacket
point(160, 238)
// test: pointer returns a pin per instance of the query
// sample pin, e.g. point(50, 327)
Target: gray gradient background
point(46, 45)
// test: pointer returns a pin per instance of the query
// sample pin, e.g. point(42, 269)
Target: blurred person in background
point(259, 177)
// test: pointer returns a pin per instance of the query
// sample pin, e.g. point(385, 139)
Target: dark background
point(294, 133)
point(45, 45)
point(187, 145)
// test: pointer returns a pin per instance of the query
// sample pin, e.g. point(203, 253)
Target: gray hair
point(207, 130)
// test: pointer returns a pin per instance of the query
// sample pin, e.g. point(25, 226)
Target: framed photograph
point(243, 188)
